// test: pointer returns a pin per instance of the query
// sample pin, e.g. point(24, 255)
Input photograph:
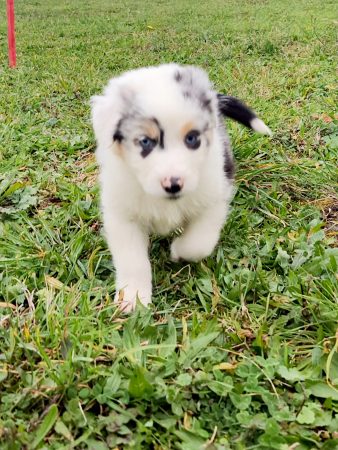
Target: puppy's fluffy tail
point(235, 109)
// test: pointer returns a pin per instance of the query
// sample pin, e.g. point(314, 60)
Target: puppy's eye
point(192, 139)
point(147, 143)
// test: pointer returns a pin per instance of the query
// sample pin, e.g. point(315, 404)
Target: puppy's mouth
point(174, 196)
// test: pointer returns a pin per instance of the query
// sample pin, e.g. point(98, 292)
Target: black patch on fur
point(190, 79)
point(229, 165)
point(235, 109)
point(205, 129)
point(202, 98)
point(161, 140)
point(147, 152)
point(118, 136)
point(205, 102)
point(178, 76)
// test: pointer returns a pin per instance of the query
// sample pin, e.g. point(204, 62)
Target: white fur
point(258, 125)
point(134, 203)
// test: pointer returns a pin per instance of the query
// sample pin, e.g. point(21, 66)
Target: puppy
point(165, 163)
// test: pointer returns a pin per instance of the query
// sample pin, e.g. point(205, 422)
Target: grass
point(238, 351)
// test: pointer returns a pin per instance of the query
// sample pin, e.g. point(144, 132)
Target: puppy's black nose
point(172, 185)
point(173, 188)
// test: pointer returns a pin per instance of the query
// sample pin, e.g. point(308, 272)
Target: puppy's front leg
point(201, 234)
point(128, 244)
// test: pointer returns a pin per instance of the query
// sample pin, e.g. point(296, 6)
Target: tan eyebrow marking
point(118, 149)
point(150, 129)
point(187, 127)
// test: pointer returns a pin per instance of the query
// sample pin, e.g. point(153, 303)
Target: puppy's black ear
point(235, 109)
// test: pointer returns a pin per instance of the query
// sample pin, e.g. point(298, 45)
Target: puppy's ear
point(116, 102)
point(106, 112)
point(235, 109)
point(101, 112)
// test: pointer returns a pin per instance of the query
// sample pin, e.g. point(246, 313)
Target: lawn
point(237, 352)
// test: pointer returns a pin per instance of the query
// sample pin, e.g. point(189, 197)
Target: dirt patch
point(87, 169)
point(329, 208)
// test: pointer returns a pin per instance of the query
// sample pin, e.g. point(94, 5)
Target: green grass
point(238, 351)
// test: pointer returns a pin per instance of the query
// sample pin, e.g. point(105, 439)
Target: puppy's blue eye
point(147, 143)
point(192, 139)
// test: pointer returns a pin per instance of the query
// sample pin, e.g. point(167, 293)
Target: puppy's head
point(161, 121)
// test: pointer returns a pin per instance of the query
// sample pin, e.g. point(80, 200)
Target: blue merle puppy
point(165, 163)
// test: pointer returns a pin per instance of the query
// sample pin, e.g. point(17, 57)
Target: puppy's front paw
point(190, 249)
point(175, 250)
point(126, 298)
point(182, 249)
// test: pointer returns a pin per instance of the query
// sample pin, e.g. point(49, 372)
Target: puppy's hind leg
point(201, 235)
point(128, 244)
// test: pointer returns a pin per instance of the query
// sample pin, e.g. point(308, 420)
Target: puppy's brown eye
point(192, 139)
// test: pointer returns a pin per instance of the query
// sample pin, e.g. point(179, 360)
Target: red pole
point(11, 34)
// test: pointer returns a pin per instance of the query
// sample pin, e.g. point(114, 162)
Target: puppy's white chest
point(163, 217)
